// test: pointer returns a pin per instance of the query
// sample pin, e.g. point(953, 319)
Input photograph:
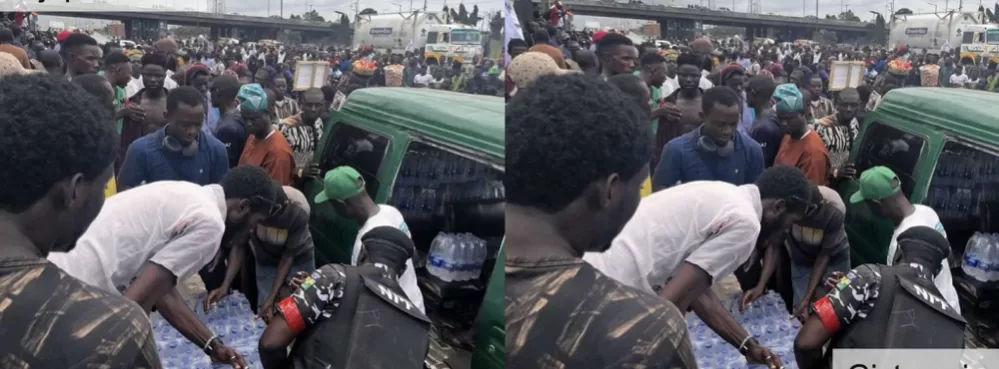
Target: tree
point(295, 17)
point(878, 30)
point(496, 25)
point(849, 16)
point(903, 11)
point(344, 19)
point(275, 16)
point(313, 16)
point(830, 16)
point(368, 11)
point(473, 17)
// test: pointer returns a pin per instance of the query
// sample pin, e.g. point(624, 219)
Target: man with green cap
point(344, 188)
point(882, 191)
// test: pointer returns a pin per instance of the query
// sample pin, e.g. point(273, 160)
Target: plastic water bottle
point(463, 258)
point(971, 264)
point(436, 262)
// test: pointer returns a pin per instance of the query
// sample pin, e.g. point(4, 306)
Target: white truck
point(418, 30)
point(953, 30)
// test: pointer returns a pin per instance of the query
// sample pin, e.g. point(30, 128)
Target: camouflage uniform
point(566, 314)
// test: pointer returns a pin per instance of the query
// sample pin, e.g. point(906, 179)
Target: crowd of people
point(639, 176)
point(129, 170)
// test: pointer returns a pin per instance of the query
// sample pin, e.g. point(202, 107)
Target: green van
point(944, 146)
point(425, 152)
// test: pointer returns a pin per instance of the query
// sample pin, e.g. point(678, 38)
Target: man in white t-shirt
point(959, 78)
point(424, 79)
point(343, 187)
point(150, 237)
point(881, 190)
point(684, 238)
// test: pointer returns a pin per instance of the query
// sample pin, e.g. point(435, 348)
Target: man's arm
point(175, 311)
point(670, 168)
point(315, 300)
point(132, 171)
point(709, 308)
point(850, 300)
point(150, 286)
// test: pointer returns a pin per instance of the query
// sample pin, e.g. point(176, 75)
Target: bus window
point(432, 37)
point(992, 36)
point(968, 37)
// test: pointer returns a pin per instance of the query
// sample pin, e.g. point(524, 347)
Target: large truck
point(956, 30)
point(419, 31)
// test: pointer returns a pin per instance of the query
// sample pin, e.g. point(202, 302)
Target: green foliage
point(848, 16)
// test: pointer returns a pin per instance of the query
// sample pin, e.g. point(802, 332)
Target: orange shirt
point(272, 153)
point(808, 154)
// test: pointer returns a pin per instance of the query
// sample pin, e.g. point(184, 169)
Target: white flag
point(511, 30)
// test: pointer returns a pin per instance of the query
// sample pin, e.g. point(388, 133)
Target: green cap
point(340, 184)
point(252, 98)
point(876, 183)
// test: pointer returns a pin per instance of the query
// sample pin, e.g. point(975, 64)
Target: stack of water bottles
point(428, 180)
point(962, 182)
point(231, 320)
point(981, 257)
point(766, 319)
point(456, 257)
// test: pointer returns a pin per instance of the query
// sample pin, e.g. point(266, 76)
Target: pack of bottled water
point(766, 319)
point(456, 257)
point(981, 257)
point(231, 320)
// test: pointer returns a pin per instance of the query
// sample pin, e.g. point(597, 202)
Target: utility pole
point(816, 8)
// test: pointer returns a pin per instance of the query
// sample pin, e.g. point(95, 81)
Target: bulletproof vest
point(375, 326)
point(909, 313)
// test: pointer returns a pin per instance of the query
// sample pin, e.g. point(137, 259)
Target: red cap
point(62, 36)
point(599, 35)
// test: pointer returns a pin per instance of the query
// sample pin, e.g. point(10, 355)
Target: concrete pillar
point(130, 30)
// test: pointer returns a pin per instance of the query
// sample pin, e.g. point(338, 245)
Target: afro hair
point(786, 183)
point(250, 182)
point(50, 130)
point(564, 133)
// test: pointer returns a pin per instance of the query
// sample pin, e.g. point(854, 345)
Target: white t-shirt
point(672, 84)
point(925, 216)
point(390, 216)
point(177, 225)
point(711, 224)
point(423, 79)
point(959, 79)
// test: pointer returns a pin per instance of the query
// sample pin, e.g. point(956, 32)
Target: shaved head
point(166, 46)
point(313, 95)
point(849, 94)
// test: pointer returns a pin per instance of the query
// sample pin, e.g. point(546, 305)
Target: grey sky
point(859, 7)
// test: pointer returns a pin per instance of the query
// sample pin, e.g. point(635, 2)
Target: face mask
point(709, 145)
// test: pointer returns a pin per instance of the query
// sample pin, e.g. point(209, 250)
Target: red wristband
point(826, 313)
point(291, 315)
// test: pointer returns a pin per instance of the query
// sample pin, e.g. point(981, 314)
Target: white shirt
point(390, 216)
point(959, 79)
point(423, 79)
point(925, 216)
point(672, 84)
point(711, 224)
point(136, 84)
point(177, 225)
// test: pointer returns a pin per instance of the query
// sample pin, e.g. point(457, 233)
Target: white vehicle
point(933, 31)
point(412, 31)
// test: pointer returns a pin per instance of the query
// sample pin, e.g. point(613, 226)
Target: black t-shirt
point(232, 133)
point(566, 314)
point(49, 319)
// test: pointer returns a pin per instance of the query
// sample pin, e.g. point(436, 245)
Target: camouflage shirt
point(566, 314)
point(856, 294)
point(49, 319)
point(316, 300)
